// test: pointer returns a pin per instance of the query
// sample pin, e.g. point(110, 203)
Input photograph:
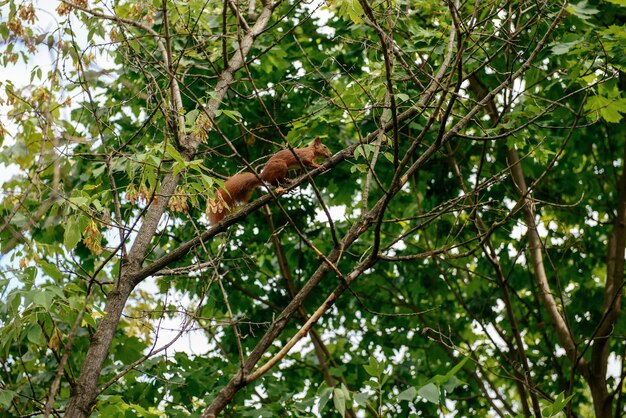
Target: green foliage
point(435, 324)
point(557, 406)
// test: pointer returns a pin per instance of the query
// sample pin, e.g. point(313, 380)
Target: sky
point(19, 75)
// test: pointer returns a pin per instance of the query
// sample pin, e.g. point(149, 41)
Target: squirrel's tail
point(237, 189)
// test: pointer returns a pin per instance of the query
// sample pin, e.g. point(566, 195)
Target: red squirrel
point(239, 188)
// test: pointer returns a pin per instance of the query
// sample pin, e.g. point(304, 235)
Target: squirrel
point(239, 188)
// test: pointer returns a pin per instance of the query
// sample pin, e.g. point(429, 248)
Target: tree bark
point(86, 388)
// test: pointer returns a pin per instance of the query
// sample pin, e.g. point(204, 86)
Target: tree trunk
point(86, 388)
point(600, 394)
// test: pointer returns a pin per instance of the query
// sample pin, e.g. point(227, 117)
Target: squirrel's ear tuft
point(317, 140)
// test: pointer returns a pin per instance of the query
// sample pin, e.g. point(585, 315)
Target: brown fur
point(278, 166)
point(239, 188)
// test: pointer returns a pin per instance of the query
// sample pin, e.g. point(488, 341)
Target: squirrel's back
point(239, 188)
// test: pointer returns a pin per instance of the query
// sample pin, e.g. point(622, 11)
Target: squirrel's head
point(320, 148)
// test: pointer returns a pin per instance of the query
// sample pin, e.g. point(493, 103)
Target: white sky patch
point(194, 341)
point(489, 330)
point(519, 85)
point(614, 367)
point(518, 231)
point(592, 222)
point(500, 343)
point(322, 13)
point(336, 213)
point(19, 74)
point(398, 246)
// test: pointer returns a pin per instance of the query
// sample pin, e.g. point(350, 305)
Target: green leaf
point(72, 233)
point(452, 384)
point(207, 181)
point(88, 320)
point(442, 379)
point(97, 204)
point(580, 10)
point(610, 109)
point(233, 114)
point(364, 150)
point(374, 368)
point(407, 394)
point(611, 113)
point(172, 152)
point(51, 270)
point(43, 298)
point(28, 276)
point(564, 47)
point(80, 201)
point(346, 392)
point(324, 397)
point(191, 116)
point(35, 335)
point(349, 9)
point(430, 392)
point(6, 397)
point(361, 168)
point(547, 411)
point(560, 402)
point(4, 31)
point(360, 398)
point(339, 399)
point(402, 97)
point(334, 371)
point(143, 412)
